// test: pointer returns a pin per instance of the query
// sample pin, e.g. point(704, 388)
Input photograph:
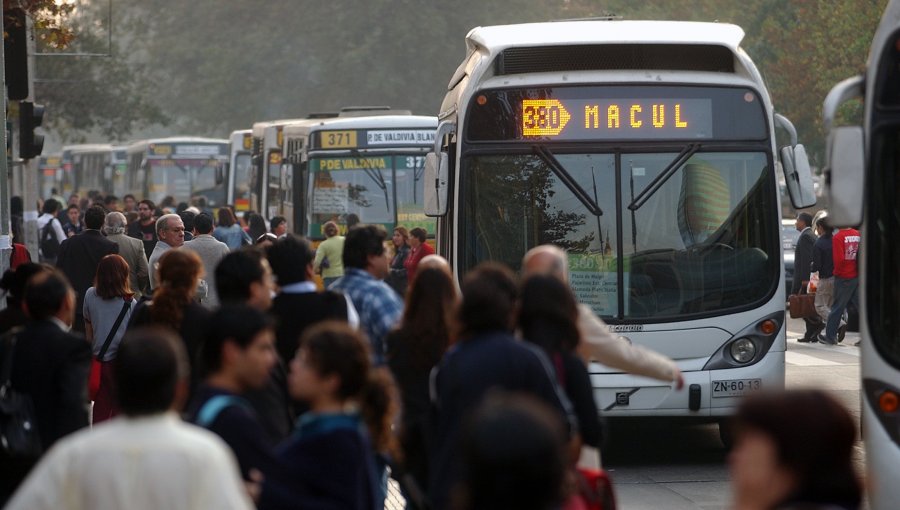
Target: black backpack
point(49, 242)
point(19, 437)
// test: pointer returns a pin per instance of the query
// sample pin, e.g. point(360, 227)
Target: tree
point(103, 92)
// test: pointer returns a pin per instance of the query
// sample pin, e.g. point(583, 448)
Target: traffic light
point(15, 47)
point(30, 117)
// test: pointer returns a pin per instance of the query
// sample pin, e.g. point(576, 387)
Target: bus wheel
point(726, 433)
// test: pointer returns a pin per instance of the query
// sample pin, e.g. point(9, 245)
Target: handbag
point(802, 306)
point(19, 436)
point(594, 491)
point(97, 361)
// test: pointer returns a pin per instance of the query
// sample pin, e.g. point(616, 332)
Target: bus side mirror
point(798, 176)
point(795, 163)
point(437, 169)
point(844, 176)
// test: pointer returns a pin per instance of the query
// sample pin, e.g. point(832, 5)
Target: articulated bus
point(180, 167)
point(646, 150)
point(368, 166)
point(240, 145)
point(86, 167)
point(863, 179)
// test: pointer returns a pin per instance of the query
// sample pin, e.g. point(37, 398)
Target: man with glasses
point(170, 231)
point(144, 228)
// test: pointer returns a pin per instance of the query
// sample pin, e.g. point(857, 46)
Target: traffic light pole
point(30, 166)
point(5, 178)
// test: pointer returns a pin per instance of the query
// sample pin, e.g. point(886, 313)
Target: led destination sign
point(616, 113)
point(620, 118)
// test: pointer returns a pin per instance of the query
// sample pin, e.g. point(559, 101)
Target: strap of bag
point(115, 328)
point(8, 342)
point(211, 409)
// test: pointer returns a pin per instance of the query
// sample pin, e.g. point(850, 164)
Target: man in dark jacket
point(803, 255)
point(297, 306)
point(51, 366)
point(80, 255)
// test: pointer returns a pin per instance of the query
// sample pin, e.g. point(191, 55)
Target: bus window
point(242, 181)
point(183, 179)
point(410, 188)
point(698, 244)
point(340, 186)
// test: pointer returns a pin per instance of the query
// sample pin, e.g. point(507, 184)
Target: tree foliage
point(95, 89)
point(212, 66)
point(49, 18)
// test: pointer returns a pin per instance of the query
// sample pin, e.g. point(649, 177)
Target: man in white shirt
point(146, 458)
point(49, 215)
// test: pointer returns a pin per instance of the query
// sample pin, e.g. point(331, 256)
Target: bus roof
point(259, 128)
point(86, 147)
point(181, 139)
point(563, 33)
point(379, 121)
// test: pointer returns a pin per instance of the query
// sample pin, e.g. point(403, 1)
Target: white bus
point(180, 167)
point(367, 162)
point(86, 167)
point(237, 193)
point(862, 177)
point(646, 150)
point(265, 174)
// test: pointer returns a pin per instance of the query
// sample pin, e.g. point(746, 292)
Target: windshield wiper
point(651, 189)
point(375, 175)
point(586, 200)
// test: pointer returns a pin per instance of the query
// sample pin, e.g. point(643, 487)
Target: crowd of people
point(228, 377)
point(825, 264)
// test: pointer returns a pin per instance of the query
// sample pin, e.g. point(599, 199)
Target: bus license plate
point(735, 388)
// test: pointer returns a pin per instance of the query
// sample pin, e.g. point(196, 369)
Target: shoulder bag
point(97, 361)
point(19, 437)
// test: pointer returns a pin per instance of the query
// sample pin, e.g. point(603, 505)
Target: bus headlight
point(743, 350)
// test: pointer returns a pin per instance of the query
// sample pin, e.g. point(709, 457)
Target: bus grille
point(666, 57)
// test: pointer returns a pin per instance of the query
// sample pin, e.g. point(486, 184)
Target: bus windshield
point(699, 242)
point(185, 178)
point(341, 187)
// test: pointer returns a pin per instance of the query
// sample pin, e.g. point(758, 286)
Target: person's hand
point(678, 379)
point(254, 484)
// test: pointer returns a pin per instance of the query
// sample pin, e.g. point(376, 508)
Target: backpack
point(211, 409)
point(49, 242)
point(19, 437)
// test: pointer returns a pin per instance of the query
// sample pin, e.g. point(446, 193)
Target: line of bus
point(180, 167)
point(862, 181)
point(647, 151)
point(361, 164)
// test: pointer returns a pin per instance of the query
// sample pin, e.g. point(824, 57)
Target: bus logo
point(543, 117)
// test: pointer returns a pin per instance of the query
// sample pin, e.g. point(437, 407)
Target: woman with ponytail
point(173, 304)
point(330, 460)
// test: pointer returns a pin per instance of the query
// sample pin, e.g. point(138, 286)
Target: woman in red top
point(420, 250)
